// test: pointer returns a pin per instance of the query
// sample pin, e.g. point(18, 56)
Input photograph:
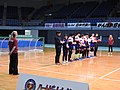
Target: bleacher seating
point(1, 22)
point(117, 10)
point(84, 10)
point(25, 11)
point(40, 12)
point(104, 9)
point(13, 22)
point(63, 21)
point(113, 19)
point(32, 22)
point(12, 12)
point(1, 12)
point(66, 11)
point(93, 20)
point(53, 9)
point(117, 14)
point(90, 11)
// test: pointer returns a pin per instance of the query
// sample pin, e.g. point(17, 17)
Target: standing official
point(13, 52)
point(58, 44)
point(110, 43)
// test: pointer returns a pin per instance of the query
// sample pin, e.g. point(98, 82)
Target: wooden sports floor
point(101, 72)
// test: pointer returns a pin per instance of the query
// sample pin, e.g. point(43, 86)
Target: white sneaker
point(64, 62)
point(67, 61)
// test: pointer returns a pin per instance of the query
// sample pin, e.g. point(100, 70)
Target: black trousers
point(87, 52)
point(77, 50)
point(110, 48)
point(13, 65)
point(58, 52)
point(65, 53)
point(83, 51)
point(70, 53)
point(96, 49)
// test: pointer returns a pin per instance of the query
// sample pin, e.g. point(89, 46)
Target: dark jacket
point(57, 41)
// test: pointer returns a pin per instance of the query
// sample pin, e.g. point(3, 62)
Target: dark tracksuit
point(87, 49)
point(13, 65)
point(65, 49)
point(92, 45)
point(77, 48)
point(96, 46)
point(70, 50)
point(58, 48)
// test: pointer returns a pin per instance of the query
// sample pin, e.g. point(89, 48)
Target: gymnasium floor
point(101, 72)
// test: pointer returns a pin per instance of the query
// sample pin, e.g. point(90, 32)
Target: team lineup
point(82, 45)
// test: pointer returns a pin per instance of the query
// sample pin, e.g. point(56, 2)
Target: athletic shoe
point(63, 62)
point(67, 61)
point(70, 60)
point(16, 74)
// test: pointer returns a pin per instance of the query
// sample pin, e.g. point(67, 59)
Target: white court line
point(109, 73)
point(102, 77)
point(60, 73)
point(35, 69)
point(110, 56)
point(55, 71)
point(111, 79)
point(86, 76)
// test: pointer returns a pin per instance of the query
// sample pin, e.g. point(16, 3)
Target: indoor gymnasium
point(59, 44)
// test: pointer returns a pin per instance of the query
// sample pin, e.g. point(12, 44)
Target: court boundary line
point(72, 74)
point(89, 77)
point(102, 77)
point(109, 73)
point(53, 71)
point(108, 79)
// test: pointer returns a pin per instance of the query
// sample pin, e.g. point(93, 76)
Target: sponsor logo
point(30, 85)
point(108, 25)
point(74, 25)
point(54, 25)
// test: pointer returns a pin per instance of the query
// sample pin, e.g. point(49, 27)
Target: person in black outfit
point(58, 44)
point(96, 44)
point(65, 48)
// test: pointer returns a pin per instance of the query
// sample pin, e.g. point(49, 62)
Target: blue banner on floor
point(33, 82)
